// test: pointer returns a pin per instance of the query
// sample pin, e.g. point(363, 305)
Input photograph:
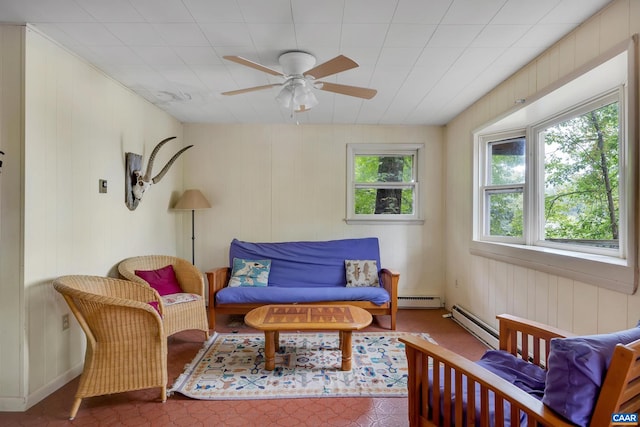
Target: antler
point(169, 163)
point(147, 175)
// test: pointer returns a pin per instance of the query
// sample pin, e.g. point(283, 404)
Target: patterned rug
point(231, 366)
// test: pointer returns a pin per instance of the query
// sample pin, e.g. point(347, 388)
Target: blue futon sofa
point(303, 272)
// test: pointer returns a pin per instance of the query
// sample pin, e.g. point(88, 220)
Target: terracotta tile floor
point(143, 408)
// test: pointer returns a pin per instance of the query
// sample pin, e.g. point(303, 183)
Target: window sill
point(599, 270)
point(380, 221)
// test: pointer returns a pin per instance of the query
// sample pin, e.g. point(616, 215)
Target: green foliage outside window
point(507, 167)
point(581, 178)
point(581, 181)
point(377, 198)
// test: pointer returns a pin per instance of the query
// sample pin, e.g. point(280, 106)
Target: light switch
point(102, 185)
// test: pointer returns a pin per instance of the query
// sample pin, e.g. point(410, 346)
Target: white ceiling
point(428, 59)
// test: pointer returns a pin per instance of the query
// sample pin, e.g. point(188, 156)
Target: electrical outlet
point(65, 322)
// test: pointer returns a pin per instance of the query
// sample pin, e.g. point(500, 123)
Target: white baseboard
point(21, 404)
point(474, 325)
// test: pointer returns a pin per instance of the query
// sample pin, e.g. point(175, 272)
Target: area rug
point(231, 366)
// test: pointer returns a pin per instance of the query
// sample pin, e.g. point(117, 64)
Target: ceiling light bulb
point(304, 96)
point(285, 96)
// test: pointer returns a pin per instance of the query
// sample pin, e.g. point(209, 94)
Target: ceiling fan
point(301, 76)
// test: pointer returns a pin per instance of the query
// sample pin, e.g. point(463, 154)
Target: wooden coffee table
point(306, 317)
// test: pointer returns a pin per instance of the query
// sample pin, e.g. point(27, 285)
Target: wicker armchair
point(177, 316)
point(126, 344)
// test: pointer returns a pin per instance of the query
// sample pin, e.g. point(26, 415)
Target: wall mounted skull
point(137, 183)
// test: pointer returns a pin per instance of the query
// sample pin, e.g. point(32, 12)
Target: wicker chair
point(178, 316)
point(126, 344)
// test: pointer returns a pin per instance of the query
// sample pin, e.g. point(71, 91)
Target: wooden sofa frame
point(527, 340)
point(219, 278)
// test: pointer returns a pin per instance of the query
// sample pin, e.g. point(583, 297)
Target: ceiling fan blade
point(336, 65)
point(360, 92)
point(255, 65)
point(250, 89)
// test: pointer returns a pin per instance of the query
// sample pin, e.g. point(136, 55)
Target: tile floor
point(143, 408)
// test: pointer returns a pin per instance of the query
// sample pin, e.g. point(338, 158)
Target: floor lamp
point(192, 200)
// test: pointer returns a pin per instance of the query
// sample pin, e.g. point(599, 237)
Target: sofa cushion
point(179, 298)
point(576, 371)
point(361, 272)
point(301, 294)
point(163, 280)
point(247, 272)
point(527, 376)
point(310, 263)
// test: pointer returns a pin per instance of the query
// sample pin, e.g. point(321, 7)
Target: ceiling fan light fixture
point(297, 95)
point(303, 95)
point(285, 97)
point(301, 75)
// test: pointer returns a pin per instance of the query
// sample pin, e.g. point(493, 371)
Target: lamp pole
point(193, 237)
point(192, 200)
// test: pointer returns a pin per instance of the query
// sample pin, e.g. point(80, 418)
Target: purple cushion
point(527, 376)
point(163, 280)
point(463, 394)
point(313, 264)
point(577, 367)
point(302, 294)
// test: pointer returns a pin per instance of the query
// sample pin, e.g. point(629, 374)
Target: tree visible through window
point(581, 164)
point(383, 181)
point(379, 170)
point(575, 178)
point(505, 188)
point(555, 181)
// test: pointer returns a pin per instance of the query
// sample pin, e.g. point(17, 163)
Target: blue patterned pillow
point(248, 272)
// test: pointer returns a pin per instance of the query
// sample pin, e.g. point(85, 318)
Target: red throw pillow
point(163, 280)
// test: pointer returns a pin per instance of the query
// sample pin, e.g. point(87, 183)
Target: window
point(382, 182)
point(555, 179)
point(580, 154)
point(576, 155)
point(504, 189)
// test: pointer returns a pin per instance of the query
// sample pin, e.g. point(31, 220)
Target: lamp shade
point(192, 200)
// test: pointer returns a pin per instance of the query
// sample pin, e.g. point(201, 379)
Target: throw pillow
point(163, 280)
point(361, 273)
point(246, 272)
point(576, 370)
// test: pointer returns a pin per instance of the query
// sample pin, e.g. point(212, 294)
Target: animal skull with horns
point(139, 183)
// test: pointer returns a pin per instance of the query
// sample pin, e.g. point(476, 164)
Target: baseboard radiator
point(419, 302)
point(484, 332)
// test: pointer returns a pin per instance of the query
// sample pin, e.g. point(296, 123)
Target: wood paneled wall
point(488, 287)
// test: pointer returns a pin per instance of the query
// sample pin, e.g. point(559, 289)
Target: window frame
point(384, 149)
point(538, 148)
point(485, 187)
point(611, 70)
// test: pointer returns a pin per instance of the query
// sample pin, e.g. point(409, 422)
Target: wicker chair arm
point(189, 277)
point(120, 308)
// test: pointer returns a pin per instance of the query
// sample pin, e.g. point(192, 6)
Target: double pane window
point(383, 182)
point(561, 186)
